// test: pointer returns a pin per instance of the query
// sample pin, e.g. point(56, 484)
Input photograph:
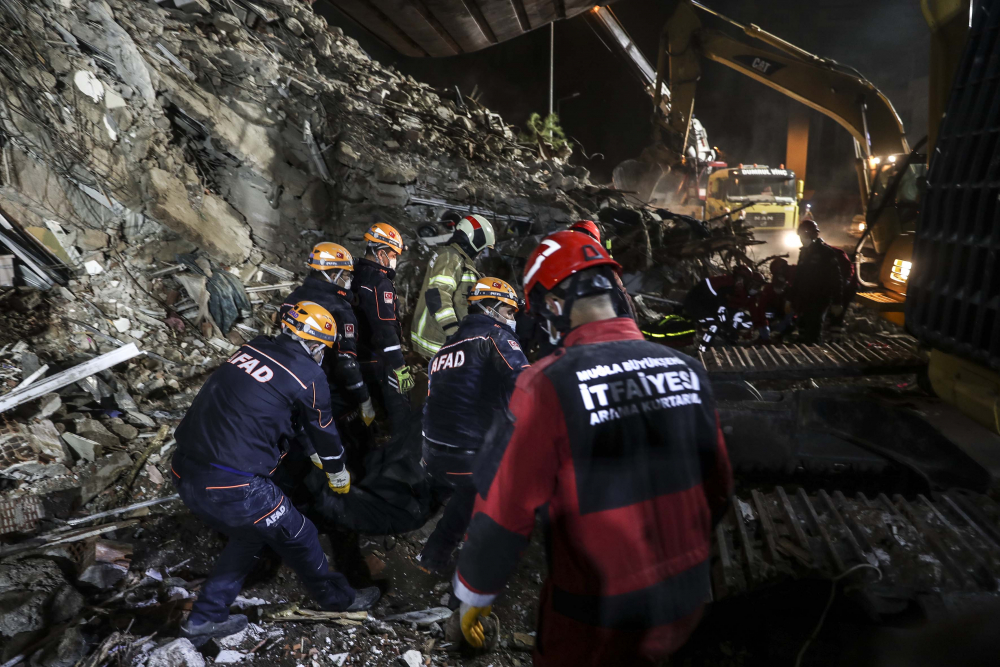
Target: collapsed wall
point(246, 135)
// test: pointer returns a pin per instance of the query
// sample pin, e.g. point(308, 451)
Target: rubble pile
point(165, 168)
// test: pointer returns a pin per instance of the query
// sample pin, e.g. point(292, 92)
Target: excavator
point(889, 172)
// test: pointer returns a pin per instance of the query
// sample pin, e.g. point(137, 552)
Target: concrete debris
point(423, 617)
point(178, 653)
point(412, 659)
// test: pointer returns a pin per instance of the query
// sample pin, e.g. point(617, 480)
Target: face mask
point(512, 324)
point(392, 263)
point(347, 284)
point(753, 291)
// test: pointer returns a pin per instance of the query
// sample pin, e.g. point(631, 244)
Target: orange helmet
point(328, 256)
point(311, 321)
point(386, 236)
point(494, 288)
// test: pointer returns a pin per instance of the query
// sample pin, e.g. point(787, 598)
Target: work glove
point(401, 380)
point(340, 482)
point(472, 627)
point(368, 412)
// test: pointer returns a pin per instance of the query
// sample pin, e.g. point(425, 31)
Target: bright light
point(874, 160)
point(900, 270)
point(862, 226)
point(892, 158)
point(792, 240)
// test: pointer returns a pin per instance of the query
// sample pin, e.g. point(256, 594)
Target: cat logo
point(249, 365)
point(387, 297)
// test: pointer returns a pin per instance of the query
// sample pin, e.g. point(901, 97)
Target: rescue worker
point(772, 313)
point(329, 285)
point(450, 275)
point(616, 441)
point(380, 351)
point(849, 279)
point(228, 446)
point(717, 304)
point(623, 300)
point(470, 380)
point(819, 283)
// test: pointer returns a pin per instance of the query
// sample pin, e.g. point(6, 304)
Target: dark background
point(886, 40)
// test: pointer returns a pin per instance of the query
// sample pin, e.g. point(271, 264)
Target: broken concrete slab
point(104, 563)
point(101, 474)
point(178, 653)
point(240, 137)
point(94, 430)
point(123, 430)
point(68, 650)
point(194, 6)
point(27, 590)
point(48, 406)
point(86, 449)
point(214, 227)
point(92, 239)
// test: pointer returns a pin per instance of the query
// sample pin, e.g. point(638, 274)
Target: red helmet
point(779, 266)
point(808, 226)
point(559, 256)
point(587, 227)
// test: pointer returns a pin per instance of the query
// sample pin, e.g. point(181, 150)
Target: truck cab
point(772, 195)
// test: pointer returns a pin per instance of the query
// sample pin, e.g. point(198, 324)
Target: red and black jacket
point(618, 440)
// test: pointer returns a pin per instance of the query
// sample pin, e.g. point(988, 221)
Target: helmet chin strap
point(557, 322)
point(316, 351)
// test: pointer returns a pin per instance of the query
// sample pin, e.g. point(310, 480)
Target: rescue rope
point(829, 603)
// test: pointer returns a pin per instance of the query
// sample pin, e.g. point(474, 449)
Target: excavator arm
point(828, 87)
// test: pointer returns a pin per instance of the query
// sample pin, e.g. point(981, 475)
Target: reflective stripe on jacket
point(443, 302)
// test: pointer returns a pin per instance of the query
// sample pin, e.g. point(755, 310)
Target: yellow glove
point(339, 482)
point(472, 627)
point(368, 412)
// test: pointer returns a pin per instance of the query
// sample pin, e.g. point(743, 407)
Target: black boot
point(365, 599)
point(201, 633)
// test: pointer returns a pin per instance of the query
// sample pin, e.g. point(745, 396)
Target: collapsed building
point(165, 168)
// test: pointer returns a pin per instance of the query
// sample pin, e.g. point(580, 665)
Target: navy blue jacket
point(469, 379)
point(380, 335)
point(253, 403)
point(341, 363)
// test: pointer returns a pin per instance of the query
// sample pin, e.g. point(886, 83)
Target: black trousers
point(396, 406)
point(451, 474)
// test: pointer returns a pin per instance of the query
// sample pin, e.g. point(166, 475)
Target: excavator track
point(931, 550)
point(853, 356)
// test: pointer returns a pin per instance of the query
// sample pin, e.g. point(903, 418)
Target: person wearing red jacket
point(616, 441)
point(769, 311)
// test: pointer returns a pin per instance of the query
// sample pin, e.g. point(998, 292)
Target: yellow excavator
point(889, 172)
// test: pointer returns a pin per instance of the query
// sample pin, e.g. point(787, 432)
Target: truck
point(769, 198)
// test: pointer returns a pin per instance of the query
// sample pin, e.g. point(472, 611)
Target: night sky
point(887, 40)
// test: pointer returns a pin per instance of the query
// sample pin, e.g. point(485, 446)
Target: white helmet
point(478, 231)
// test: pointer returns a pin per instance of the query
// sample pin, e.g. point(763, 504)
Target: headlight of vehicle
point(900, 270)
